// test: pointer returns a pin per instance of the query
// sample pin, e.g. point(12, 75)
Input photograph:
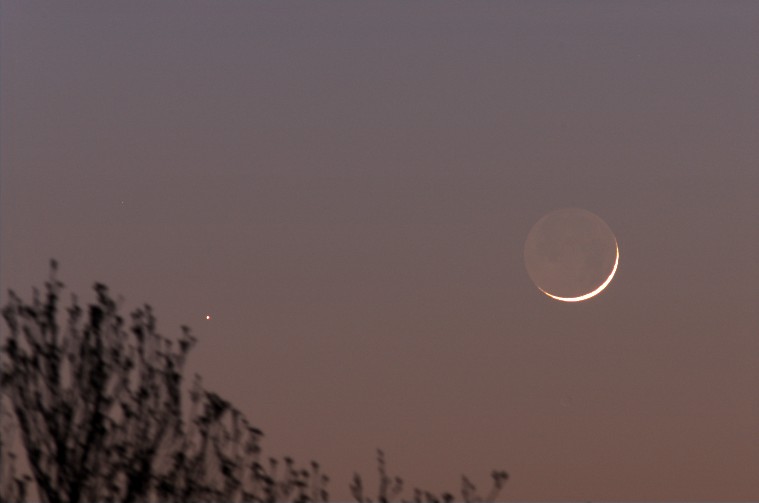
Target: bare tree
point(390, 488)
point(219, 459)
point(13, 485)
point(94, 399)
point(98, 404)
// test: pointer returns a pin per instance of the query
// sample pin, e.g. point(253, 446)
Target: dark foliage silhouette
point(96, 404)
point(390, 488)
point(13, 487)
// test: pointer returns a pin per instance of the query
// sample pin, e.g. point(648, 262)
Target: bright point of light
point(208, 316)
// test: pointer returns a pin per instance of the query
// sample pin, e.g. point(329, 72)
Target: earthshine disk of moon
point(571, 255)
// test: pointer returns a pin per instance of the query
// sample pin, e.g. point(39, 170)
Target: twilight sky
point(346, 187)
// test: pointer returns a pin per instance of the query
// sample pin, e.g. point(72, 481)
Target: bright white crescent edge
point(594, 292)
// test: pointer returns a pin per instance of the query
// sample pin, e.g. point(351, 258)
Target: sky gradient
point(346, 188)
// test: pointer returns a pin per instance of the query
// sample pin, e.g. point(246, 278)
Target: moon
point(571, 255)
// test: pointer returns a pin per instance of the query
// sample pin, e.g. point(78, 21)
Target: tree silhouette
point(390, 488)
point(94, 400)
point(13, 487)
point(97, 403)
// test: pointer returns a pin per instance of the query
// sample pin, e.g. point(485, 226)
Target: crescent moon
point(594, 292)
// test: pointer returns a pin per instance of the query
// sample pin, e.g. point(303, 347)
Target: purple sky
point(346, 187)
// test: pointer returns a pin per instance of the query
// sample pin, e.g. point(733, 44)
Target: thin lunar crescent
point(571, 254)
point(594, 292)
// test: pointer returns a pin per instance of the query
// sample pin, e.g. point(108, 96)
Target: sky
point(346, 189)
